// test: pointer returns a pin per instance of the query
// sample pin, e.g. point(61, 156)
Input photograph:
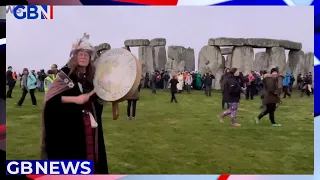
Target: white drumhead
point(115, 75)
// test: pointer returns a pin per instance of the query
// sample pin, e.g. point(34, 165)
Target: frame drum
point(118, 74)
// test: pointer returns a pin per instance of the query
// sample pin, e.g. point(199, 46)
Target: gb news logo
point(43, 167)
point(30, 12)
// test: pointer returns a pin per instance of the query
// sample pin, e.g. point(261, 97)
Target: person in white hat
point(72, 115)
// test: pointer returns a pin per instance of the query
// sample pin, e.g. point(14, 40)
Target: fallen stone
point(224, 41)
point(242, 58)
point(277, 59)
point(296, 61)
point(160, 57)
point(227, 63)
point(226, 51)
point(290, 45)
point(136, 42)
point(190, 60)
point(158, 42)
point(210, 59)
point(176, 59)
point(261, 42)
point(261, 61)
point(146, 59)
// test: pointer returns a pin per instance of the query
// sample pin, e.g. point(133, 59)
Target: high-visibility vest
point(54, 76)
point(45, 84)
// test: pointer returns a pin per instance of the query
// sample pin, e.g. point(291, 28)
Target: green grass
point(186, 138)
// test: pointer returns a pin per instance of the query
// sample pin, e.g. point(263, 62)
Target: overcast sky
point(37, 44)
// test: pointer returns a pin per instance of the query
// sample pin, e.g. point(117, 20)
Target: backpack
point(166, 77)
point(31, 80)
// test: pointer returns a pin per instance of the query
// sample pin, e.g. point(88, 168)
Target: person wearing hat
point(232, 92)
point(72, 125)
point(271, 96)
point(29, 84)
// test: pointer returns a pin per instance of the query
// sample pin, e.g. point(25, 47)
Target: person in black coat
point(146, 80)
point(232, 90)
point(208, 83)
point(222, 81)
point(10, 82)
point(173, 85)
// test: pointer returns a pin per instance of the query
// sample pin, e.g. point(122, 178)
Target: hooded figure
point(286, 80)
point(286, 84)
point(72, 126)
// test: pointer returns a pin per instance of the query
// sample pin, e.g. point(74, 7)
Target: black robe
point(63, 126)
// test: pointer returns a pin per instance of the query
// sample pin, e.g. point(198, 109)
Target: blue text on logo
point(33, 12)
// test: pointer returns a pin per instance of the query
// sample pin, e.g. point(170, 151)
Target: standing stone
point(210, 59)
point(146, 59)
point(277, 59)
point(176, 59)
point(224, 59)
point(160, 53)
point(296, 63)
point(160, 57)
point(190, 60)
point(228, 62)
point(261, 61)
point(242, 58)
point(309, 60)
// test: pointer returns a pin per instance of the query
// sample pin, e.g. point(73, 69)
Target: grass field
point(186, 138)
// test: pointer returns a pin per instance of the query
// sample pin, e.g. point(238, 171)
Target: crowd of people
point(72, 112)
point(30, 81)
point(269, 86)
point(251, 85)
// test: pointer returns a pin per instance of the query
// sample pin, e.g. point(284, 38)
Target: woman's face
point(83, 58)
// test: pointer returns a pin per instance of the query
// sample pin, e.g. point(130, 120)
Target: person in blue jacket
point(286, 84)
point(29, 84)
